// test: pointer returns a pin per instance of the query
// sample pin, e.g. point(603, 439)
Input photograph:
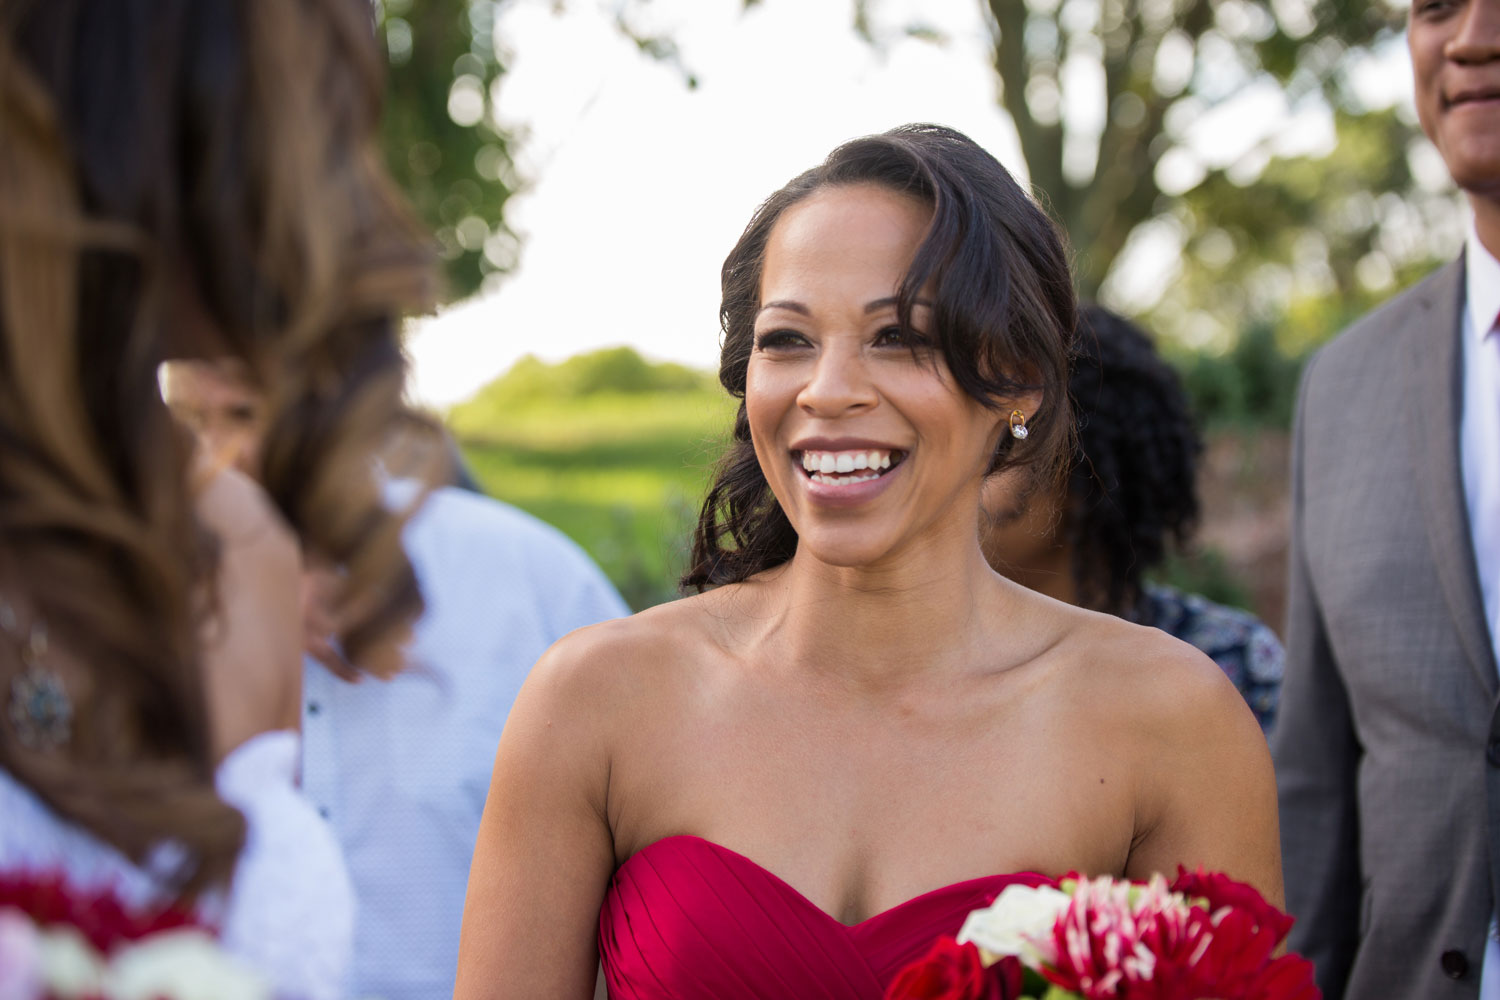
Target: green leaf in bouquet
point(1032, 983)
point(1058, 993)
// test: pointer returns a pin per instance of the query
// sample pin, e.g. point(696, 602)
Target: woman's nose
point(838, 383)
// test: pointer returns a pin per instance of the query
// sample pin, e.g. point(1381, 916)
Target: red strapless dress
point(686, 919)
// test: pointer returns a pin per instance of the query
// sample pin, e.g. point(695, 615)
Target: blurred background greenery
point(1255, 260)
point(612, 449)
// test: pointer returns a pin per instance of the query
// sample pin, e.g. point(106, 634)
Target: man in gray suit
point(1388, 749)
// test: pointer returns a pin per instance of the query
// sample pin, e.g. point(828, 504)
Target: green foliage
point(441, 141)
point(615, 452)
point(614, 371)
point(1162, 67)
point(1311, 244)
point(1205, 571)
point(1254, 384)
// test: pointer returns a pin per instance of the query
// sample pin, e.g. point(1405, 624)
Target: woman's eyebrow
point(890, 300)
point(870, 307)
point(786, 304)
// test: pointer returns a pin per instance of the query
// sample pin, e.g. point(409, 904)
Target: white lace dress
point(290, 911)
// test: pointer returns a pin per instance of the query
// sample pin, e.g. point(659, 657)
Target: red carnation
point(1222, 891)
point(953, 971)
point(1289, 977)
point(1112, 947)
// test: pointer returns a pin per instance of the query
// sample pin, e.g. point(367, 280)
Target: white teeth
point(823, 465)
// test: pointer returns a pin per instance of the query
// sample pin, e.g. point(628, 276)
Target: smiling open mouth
point(841, 468)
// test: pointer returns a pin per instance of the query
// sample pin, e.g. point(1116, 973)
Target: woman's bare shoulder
point(1165, 687)
point(604, 670)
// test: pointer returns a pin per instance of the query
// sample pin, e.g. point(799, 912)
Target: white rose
point(20, 957)
point(185, 964)
point(1019, 922)
point(70, 965)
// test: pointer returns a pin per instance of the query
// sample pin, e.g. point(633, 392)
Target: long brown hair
point(1003, 318)
point(169, 165)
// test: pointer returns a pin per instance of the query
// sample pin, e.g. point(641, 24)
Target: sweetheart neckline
point(880, 915)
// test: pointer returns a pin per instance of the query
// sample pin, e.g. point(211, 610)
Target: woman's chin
point(845, 547)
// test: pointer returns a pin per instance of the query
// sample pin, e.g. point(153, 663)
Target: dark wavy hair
point(165, 164)
point(1131, 489)
point(1002, 317)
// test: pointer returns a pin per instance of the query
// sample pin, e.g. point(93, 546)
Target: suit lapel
point(1436, 405)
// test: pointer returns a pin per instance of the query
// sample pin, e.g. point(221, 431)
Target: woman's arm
point(1207, 794)
point(252, 643)
point(545, 853)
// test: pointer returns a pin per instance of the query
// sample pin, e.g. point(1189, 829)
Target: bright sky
point(641, 186)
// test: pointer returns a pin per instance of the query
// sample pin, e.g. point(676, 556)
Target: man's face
point(222, 407)
point(1455, 55)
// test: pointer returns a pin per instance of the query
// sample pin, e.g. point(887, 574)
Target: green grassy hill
point(614, 450)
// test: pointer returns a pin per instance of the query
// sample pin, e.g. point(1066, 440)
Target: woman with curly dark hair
point(190, 178)
point(752, 792)
point(1128, 494)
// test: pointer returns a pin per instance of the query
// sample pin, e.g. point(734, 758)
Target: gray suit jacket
point(1388, 748)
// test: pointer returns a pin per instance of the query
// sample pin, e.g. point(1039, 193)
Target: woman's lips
point(854, 475)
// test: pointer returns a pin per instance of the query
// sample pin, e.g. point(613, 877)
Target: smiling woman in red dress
point(789, 784)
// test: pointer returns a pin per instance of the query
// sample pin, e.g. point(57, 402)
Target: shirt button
point(1455, 965)
point(313, 708)
point(1492, 753)
point(323, 811)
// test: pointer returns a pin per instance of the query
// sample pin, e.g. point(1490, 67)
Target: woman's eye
point(773, 339)
point(899, 336)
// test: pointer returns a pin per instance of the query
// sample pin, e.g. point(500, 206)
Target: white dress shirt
point(1480, 441)
point(400, 768)
point(1479, 444)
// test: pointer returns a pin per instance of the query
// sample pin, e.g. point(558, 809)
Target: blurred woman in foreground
point(190, 178)
point(754, 792)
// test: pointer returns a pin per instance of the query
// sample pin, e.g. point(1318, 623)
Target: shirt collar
point(1481, 284)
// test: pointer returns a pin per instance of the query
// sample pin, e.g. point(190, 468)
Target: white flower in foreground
point(1019, 922)
point(70, 965)
point(20, 957)
point(185, 964)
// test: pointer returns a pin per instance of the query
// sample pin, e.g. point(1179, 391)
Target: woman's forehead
point(857, 240)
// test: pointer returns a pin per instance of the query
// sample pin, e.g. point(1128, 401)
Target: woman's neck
point(881, 625)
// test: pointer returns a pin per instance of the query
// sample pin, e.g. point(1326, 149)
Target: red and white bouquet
point(61, 943)
point(1201, 937)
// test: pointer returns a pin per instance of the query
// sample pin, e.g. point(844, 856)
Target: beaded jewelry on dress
point(39, 709)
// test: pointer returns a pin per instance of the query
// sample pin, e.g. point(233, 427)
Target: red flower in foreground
point(1221, 891)
point(48, 900)
point(953, 971)
point(1111, 946)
